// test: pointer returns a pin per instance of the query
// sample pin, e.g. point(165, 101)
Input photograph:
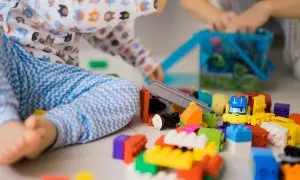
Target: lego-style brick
point(119, 146)
point(277, 134)
point(219, 102)
point(85, 175)
point(53, 177)
point(145, 98)
point(133, 146)
point(143, 167)
point(293, 132)
point(290, 172)
point(193, 128)
point(210, 119)
point(239, 133)
point(195, 173)
point(264, 161)
point(213, 135)
point(168, 157)
point(259, 104)
point(160, 142)
point(241, 149)
point(281, 119)
point(211, 150)
point(212, 166)
point(295, 117)
point(192, 115)
point(250, 96)
point(184, 139)
point(205, 97)
point(282, 110)
point(259, 136)
point(258, 118)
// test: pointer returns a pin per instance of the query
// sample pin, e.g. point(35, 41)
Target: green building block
point(213, 135)
point(210, 120)
point(143, 167)
point(98, 64)
point(181, 123)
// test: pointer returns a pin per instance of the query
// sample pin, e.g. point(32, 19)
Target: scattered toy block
point(241, 149)
point(160, 142)
point(192, 115)
point(219, 102)
point(210, 120)
point(212, 165)
point(85, 175)
point(183, 139)
point(98, 64)
point(143, 167)
point(281, 119)
point(282, 110)
point(213, 135)
point(295, 117)
point(277, 134)
point(193, 128)
point(258, 118)
point(239, 133)
point(195, 173)
point(259, 104)
point(211, 149)
point(133, 146)
point(205, 97)
point(259, 136)
point(290, 172)
point(292, 134)
point(145, 98)
point(53, 177)
point(119, 146)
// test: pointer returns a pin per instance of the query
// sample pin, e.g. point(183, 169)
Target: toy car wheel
point(158, 122)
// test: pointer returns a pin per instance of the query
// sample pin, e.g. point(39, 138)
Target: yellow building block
point(192, 115)
point(219, 102)
point(168, 157)
point(39, 112)
point(259, 104)
point(293, 132)
point(211, 149)
point(85, 175)
point(282, 119)
point(258, 118)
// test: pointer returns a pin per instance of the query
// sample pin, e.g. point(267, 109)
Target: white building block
point(277, 134)
point(132, 174)
point(239, 148)
point(183, 139)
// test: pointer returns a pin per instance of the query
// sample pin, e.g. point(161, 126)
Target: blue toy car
point(238, 105)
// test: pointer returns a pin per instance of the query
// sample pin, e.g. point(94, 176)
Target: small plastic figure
point(238, 105)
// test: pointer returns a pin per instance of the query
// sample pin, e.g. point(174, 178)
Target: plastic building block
point(282, 110)
point(259, 136)
point(145, 98)
point(277, 134)
point(213, 135)
point(195, 173)
point(239, 133)
point(210, 120)
point(282, 119)
point(292, 132)
point(265, 165)
point(291, 172)
point(98, 64)
point(183, 139)
point(165, 120)
point(39, 112)
point(295, 117)
point(258, 118)
point(241, 149)
point(143, 167)
point(171, 158)
point(192, 115)
point(119, 146)
point(259, 104)
point(219, 102)
point(50, 177)
point(191, 128)
point(210, 149)
point(133, 146)
point(85, 175)
point(180, 128)
point(268, 100)
point(213, 165)
point(160, 142)
point(205, 97)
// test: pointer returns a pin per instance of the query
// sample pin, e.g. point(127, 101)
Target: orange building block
point(291, 172)
point(160, 142)
point(253, 94)
point(195, 173)
point(144, 99)
point(133, 146)
point(212, 165)
point(192, 115)
point(49, 177)
point(295, 117)
point(180, 129)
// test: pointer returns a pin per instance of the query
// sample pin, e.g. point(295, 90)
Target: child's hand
point(250, 20)
point(223, 21)
point(158, 74)
point(160, 4)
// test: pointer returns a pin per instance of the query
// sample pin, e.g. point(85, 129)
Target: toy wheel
point(158, 122)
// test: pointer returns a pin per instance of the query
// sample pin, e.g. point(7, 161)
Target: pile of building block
point(84, 175)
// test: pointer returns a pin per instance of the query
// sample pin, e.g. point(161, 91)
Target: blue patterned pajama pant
point(82, 106)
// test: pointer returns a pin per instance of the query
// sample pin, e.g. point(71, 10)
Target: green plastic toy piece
point(181, 123)
point(213, 135)
point(143, 167)
point(210, 120)
point(98, 64)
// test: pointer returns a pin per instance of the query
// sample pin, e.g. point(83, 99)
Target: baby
point(247, 16)
point(37, 41)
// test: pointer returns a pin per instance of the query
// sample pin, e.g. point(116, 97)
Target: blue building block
point(238, 133)
point(265, 166)
point(118, 149)
point(205, 97)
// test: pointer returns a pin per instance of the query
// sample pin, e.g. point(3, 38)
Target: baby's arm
point(90, 15)
point(279, 8)
point(121, 41)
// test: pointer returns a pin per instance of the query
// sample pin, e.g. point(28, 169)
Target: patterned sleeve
point(89, 15)
point(120, 41)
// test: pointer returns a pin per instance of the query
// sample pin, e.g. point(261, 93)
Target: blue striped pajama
point(82, 106)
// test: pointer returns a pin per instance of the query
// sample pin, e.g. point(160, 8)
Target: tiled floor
point(97, 156)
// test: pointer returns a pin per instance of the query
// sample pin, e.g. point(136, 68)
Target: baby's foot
point(16, 140)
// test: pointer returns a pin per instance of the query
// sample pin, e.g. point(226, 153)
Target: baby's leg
point(291, 53)
point(16, 140)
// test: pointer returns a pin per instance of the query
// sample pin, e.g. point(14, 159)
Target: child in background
point(246, 16)
point(37, 40)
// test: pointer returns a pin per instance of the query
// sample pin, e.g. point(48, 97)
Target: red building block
point(212, 165)
point(195, 173)
point(133, 146)
point(49, 177)
point(259, 136)
point(180, 129)
point(145, 97)
point(295, 117)
point(160, 142)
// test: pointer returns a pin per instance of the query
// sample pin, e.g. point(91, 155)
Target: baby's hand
point(223, 21)
point(158, 74)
